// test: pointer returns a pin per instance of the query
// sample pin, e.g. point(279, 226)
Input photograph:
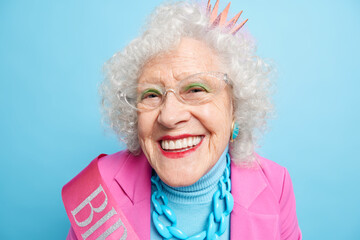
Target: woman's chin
point(181, 168)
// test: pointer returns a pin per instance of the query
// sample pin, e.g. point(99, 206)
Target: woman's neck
point(201, 191)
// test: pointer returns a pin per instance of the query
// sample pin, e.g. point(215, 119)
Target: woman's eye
point(196, 88)
point(150, 94)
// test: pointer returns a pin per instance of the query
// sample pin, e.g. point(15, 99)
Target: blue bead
point(163, 197)
point(169, 214)
point(228, 185)
point(216, 237)
point(227, 174)
point(211, 227)
point(177, 233)
point(156, 204)
point(160, 227)
point(155, 180)
point(222, 189)
point(228, 160)
point(222, 226)
point(229, 203)
point(216, 206)
point(199, 236)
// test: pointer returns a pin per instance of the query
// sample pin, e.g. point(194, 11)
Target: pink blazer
point(264, 205)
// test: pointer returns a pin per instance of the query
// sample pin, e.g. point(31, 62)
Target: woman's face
point(207, 125)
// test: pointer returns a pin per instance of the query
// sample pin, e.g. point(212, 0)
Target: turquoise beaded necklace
point(216, 220)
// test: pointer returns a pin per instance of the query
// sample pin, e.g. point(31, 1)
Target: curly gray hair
point(166, 26)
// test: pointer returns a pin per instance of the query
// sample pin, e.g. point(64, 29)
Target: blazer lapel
point(134, 180)
point(247, 184)
point(248, 187)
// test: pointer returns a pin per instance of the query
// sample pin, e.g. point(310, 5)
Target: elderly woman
point(186, 97)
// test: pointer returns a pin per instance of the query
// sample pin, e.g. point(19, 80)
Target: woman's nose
point(173, 112)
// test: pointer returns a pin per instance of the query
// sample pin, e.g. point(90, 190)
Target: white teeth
point(196, 140)
point(171, 145)
point(180, 143)
point(190, 141)
point(185, 142)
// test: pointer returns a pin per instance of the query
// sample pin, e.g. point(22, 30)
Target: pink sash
point(91, 208)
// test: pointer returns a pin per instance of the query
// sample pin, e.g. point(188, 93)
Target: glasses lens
point(149, 96)
point(144, 96)
point(201, 88)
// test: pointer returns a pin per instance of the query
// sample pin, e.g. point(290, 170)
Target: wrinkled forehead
point(190, 57)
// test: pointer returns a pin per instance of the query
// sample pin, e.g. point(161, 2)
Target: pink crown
point(220, 20)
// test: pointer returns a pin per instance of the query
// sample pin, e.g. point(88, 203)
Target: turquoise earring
point(234, 131)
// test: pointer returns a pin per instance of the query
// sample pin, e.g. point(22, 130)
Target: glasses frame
point(225, 77)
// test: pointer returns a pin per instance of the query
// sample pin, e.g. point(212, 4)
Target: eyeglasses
point(196, 89)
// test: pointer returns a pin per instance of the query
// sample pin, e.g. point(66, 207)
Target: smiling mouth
point(180, 145)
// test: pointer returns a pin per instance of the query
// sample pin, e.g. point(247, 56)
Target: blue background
point(51, 55)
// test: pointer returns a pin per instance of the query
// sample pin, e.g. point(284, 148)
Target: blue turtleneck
point(192, 204)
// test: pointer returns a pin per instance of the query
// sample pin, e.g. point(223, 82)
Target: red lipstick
point(178, 154)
